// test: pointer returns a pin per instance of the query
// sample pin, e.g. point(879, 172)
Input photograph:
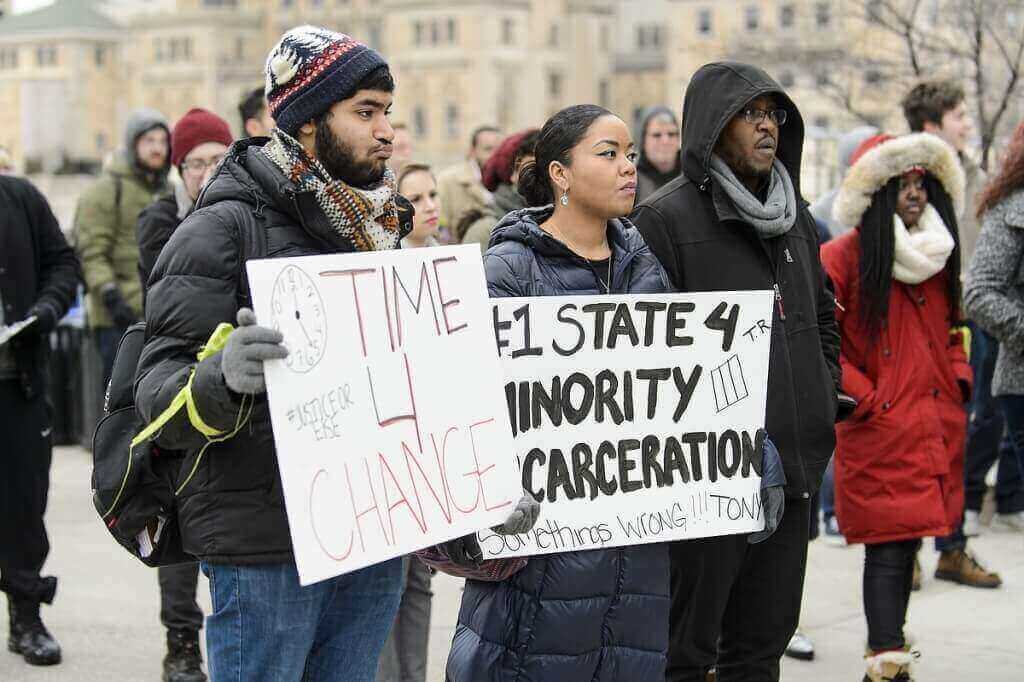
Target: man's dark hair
point(929, 101)
point(477, 132)
point(560, 134)
point(379, 79)
point(252, 105)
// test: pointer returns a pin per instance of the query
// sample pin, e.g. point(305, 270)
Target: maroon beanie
point(195, 128)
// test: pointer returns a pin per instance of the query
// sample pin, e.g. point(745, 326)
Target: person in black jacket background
point(735, 221)
point(39, 276)
point(199, 141)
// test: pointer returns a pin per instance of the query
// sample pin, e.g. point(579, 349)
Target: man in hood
point(822, 208)
point(319, 184)
point(735, 221)
point(105, 229)
point(658, 138)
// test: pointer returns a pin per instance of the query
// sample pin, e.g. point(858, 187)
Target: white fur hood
point(893, 158)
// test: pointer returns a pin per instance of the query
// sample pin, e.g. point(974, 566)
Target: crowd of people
point(896, 378)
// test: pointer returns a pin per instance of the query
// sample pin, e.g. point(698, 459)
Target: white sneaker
point(1011, 522)
point(800, 647)
point(972, 523)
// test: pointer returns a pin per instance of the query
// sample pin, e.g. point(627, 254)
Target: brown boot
point(890, 666)
point(960, 566)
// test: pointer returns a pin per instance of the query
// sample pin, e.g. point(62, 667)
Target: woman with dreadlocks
point(899, 459)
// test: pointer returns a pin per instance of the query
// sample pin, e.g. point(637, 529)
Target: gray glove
point(248, 346)
point(773, 495)
point(522, 518)
point(465, 551)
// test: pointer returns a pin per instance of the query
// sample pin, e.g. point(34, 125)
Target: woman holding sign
point(598, 614)
point(900, 457)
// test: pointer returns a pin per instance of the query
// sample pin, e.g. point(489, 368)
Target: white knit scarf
point(921, 252)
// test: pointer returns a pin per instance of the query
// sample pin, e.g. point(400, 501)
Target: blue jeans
point(986, 442)
point(1013, 411)
point(265, 626)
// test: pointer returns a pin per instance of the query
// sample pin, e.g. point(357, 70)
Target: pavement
point(106, 615)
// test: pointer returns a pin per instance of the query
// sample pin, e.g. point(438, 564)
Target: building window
point(553, 37)
point(99, 56)
point(451, 121)
point(823, 14)
point(821, 79)
point(239, 49)
point(220, 3)
point(752, 17)
point(821, 122)
point(101, 142)
point(604, 95)
point(452, 31)
point(419, 122)
point(874, 10)
point(555, 84)
point(786, 79)
point(8, 58)
point(46, 55)
point(606, 37)
point(435, 33)
point(648, 37)
point(873, 77)
point(417, 33)
point(373, 34)
point(704, 21)
point(508, 31)
point(158, 50)
point(787, 16)
point(287, 3)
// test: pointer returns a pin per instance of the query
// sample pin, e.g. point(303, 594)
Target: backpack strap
point(252, 236)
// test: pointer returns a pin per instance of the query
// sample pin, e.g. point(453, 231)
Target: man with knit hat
point(319, 185)
point(104, 229)
point(198, 143)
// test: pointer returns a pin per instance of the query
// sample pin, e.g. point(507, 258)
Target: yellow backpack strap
point(184, 397)
point(965, 337)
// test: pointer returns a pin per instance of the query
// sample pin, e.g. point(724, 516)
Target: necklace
point(608, 282)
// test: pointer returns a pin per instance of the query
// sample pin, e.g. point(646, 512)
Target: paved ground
point(106, 612)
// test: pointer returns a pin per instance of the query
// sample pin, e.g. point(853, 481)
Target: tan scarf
point(364, 218)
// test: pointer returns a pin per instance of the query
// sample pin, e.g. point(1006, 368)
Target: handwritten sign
point(636, 418)
point(388, 418)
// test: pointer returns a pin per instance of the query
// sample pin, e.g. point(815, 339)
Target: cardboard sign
point(388, 418)
point(636, 418)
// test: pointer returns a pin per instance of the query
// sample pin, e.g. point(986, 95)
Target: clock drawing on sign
point(297, 312)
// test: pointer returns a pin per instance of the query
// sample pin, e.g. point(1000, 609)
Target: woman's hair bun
point(537, 192)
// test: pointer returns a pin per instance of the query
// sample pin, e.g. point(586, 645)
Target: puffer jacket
point(600, 615)
point(105, 217)
point(231, 509)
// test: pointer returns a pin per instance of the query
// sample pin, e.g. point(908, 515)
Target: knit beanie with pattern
point(312, 68)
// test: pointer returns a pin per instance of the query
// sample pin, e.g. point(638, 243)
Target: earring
point(565, 197)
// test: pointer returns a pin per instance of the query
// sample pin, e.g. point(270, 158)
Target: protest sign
point(636, 418)
point(388, 417)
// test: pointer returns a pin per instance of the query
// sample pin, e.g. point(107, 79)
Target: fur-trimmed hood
point(873, 168)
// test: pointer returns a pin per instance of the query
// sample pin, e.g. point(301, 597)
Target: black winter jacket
point(38, 270)
point(704, 245)
point(156, 224)
point(599, 615)
point(231, 510)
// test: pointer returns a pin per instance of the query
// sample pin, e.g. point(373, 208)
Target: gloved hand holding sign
point(465, 551)
point(773, 496)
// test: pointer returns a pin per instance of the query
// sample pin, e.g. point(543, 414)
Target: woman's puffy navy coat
point(598, 615)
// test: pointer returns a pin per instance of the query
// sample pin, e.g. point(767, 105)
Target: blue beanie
point(310, 69)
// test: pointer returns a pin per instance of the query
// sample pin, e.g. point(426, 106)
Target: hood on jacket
point(523, 226)
point(881, 158)
point(140, 122)
point(717, 92)
point(640, 134)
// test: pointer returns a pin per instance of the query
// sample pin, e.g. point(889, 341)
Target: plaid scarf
point(366, 219)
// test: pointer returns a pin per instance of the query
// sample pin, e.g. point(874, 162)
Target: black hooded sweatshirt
point(704, 245)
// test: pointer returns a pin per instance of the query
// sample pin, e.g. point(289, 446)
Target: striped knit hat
point(310, 69)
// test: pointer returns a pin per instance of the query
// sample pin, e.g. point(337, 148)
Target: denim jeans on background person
point(265, 626)
point(404, 657)
point(828, 490)
point(1013, 412)
point(985, 442)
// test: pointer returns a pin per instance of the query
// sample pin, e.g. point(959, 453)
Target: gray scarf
point(772, 218)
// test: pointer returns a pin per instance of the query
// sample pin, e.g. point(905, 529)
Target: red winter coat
point(900, 457)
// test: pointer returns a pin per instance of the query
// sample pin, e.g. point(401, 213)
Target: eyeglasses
point(200, 166)
point(754, 116)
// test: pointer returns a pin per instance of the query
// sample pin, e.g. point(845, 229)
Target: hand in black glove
point(464, 551)
point(45, 322)
point(773, 496)
point(120, 312)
